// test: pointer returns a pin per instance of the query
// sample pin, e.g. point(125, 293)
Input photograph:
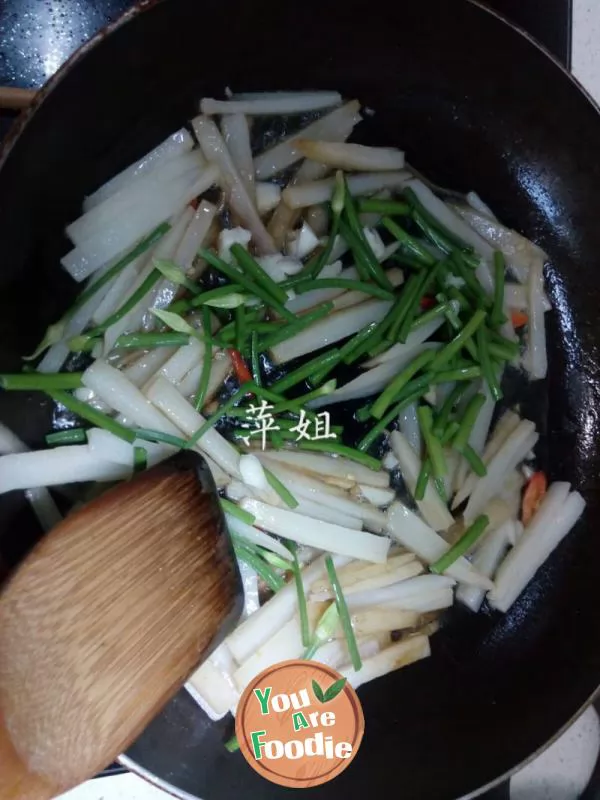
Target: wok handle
point(16, 782)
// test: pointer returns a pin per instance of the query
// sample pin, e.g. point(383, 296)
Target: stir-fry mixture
point(331, 332)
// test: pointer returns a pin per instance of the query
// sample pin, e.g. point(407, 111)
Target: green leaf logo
point(331, 693)
point(318, 692)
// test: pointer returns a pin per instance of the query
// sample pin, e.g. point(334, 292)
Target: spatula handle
point(16, 782)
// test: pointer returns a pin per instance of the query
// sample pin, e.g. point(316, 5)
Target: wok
point(476, 105)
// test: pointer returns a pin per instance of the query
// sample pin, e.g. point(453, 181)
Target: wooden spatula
point(105, 620)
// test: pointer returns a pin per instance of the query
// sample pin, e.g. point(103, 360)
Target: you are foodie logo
point(299, 724)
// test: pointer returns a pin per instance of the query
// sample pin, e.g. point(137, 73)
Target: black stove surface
point(37, 36)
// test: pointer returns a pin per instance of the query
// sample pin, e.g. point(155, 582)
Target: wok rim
point(10, 140)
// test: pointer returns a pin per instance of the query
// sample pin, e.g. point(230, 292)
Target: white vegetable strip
point(480, 430)
point(220, 369)
point(195, 235)
point(115, 389)
point(212, 684)
point(303, 195)
point(410, 428)
point(455, 224)
point(318, 219)
point(505, 426)
point(431, 507)
point(314, 509)
point(333, 466)
point(516, 296)
point(249, 580)
point(260, 627)
point(335, 653)
point(536, 358)
point(73, 464)
point(268, 196)
point(378, 497)
point(475, 201)
point(324, 535)
point(302, 243)
point(369, 621)
point(402, 353)
point(271, 103)
point(286, 644)
point(335, 126)
point(284, 218)
point(392, 658)
point(486, 560)
point(182, 361)
point(330, 330)
point(166, 398)
point(252, 472)
point(148, 364)
point(519, 252)
point(303, 486)
point(556, 516)
point(413, 533)
point(175, 145)
point(423, 593)
point(340, 155)
point(134, 318)
point(511, 453)
point(236, 134)
point(371, 381)
point(256, 536)
point(360, 577)
point(240, 201)
point(108, 447)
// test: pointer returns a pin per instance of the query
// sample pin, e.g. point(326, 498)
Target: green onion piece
point(343, 283)
point(232, 745)
point(40, 381)
point(159, 437)
point(407, 301)
point(465, 335)
point(255, 358)
point(272, 558)
point(140, 459)
point(235, 511)
point(212, 421)
point(72, 436)
point(504, 350)
point(427, 278)
point(173, 272)
point(92, 415)
point(251, 267)
point(269, 576)
point(305, 371)
point(423, 479)
point(331, 446)
point(302, 606)
point(468, 421)
point(489, 371)
point(456, 324)
point(464, 545)
point(367, 265)
point(433, 234)
point(497, 315)
point(458, 374)
point(413, 392)
point(472, 285)
point(409, 244)
point(433, 313)
point(475, 461)
point(440, 488)
point(392, 208)
point(315, 265)
point(449, 433)
point(240, 329)
point(427, 215)
point(148, 341)
point(127, 306)
point(447, 409)
point(278, 487)
point(355, 343)
point(284, 332)
point(200, 397)
point(217, 296)
point(324, 631)
point(251, 286)
point(298, 402)
point(390, 393)
point(432, 443)
point(344, 614)
point(54, 334)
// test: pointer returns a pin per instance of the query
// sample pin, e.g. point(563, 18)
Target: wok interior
point(475, 106)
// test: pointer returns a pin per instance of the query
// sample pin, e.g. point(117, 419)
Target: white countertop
point(563, 771)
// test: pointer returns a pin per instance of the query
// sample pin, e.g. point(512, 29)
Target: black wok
point(477, 106)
